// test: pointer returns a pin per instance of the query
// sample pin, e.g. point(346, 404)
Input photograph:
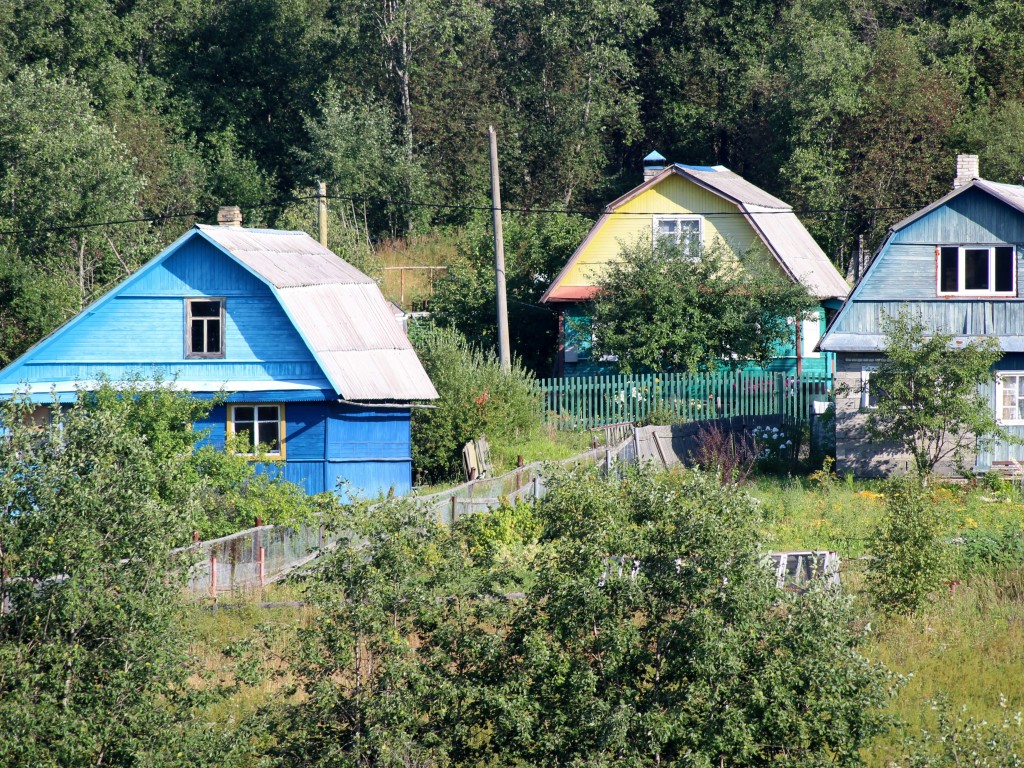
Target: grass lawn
point(968, 647)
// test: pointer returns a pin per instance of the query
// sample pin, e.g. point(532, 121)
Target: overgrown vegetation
point(650, 633)
point(476, 399)
point(927, 393)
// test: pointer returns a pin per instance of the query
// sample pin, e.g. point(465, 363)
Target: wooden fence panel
point(596, 401)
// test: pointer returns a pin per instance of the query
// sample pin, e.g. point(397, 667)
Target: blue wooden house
point(958, 264)
point(315, 367)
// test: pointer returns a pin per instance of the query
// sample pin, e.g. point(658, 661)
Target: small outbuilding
point(307, 353)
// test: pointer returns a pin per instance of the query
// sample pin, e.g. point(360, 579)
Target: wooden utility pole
point(504, 356)
point(321, 213)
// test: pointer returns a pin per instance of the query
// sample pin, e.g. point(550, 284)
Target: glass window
point(204, 328)
point(1010, 398)
point(258, 428)
point(683, 230)
point(977, 269)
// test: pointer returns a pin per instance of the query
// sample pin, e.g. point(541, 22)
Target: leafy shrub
point(959, 740)
point(908, 556)
point(988, 551)
point(476, 398)
point(729, 455)
point(510, 526)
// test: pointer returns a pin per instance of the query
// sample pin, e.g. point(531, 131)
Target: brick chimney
point(229, 216)
point(654, 164)
point(966, 170)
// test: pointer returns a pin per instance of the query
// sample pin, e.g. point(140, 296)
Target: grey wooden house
point(959, 264)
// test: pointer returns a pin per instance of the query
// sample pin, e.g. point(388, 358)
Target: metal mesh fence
point(249, 560)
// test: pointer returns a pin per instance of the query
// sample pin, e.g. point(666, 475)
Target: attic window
point(977, 270)
point(204, 327)
point(681, 230)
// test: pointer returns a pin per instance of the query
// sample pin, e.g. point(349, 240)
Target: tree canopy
point(115, 110)
point(649, 633)
point(671, 306)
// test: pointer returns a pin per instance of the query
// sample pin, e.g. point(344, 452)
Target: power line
point(595, 213)
point(591, 213)
point(146, 219)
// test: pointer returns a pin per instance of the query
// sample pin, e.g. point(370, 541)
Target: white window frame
point(961, 291)
point(810, 335)
point(1018, 399)
point(866, 371)
point(658, 218)
point(281, 439)
point(219, 354)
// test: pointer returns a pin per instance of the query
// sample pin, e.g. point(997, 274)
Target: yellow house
point(709, 204)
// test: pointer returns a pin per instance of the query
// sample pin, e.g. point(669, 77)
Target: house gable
point(138, 328)
point(904, 271)
point(631, 218)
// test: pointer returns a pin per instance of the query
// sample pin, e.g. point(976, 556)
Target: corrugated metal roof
point(798, 252)
point(286, 259)
point(340, 311)
point(720, 179)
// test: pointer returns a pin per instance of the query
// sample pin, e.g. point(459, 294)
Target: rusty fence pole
point(452, 514)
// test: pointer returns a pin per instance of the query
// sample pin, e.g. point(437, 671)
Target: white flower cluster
point(773, 440)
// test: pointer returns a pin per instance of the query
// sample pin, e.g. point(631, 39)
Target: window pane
point(1004, 269)
point(212, 335)
point(949, 266)
point(244, 413)
point(269, 435)
point(268, 413)
point(205, 308)
point(197, 336)
point(244, 431)
point(975, 269)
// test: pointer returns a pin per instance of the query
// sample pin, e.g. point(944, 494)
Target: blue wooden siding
point(327, 443)
point(146, 322)
point(905, 271)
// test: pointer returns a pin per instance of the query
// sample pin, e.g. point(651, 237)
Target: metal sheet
point(340, 311)
point(722, 180)
point(394, 374)
point(286, 259)
point(798, 252)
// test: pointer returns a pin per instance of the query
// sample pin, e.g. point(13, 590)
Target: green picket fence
point(595, 401)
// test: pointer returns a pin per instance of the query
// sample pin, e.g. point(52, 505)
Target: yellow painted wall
point(673, 195)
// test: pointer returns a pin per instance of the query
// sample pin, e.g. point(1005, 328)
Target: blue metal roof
point(701, 168)
point(654, 157)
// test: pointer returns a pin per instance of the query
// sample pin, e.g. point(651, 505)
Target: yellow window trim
point(281, 423)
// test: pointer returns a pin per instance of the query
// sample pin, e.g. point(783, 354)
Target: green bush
point(990, 550)
point(476, 399)
point(908, 555)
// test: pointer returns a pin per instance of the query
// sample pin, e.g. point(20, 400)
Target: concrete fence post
point(213, 575)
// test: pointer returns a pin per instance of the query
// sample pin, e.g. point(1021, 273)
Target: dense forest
point(153, 112)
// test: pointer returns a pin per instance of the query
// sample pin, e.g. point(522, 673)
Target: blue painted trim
point(375, 459)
